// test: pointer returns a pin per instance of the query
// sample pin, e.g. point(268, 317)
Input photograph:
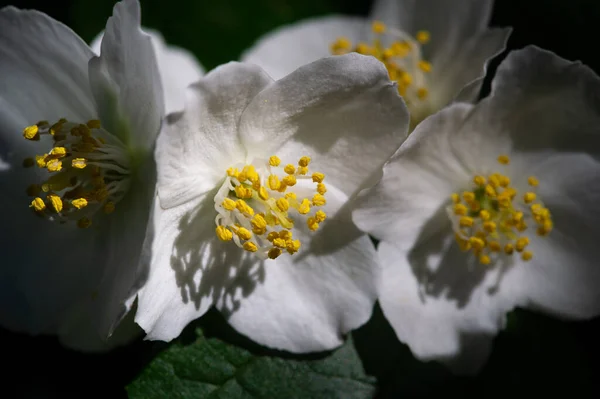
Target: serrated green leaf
point(212, 368)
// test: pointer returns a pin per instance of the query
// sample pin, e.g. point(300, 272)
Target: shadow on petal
point(208, 269)
point(443, 270)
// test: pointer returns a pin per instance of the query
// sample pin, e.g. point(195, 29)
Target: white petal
point(418, 179)
point(450, 23)
point(563, 277)
point(178, 68)
point(544, 101)
point(467, 66)
point(43, 74)
point(125, 79)
point(343, 111)
point(285, 49)
point(449, 316)
point(197, 146)
point(188, 269)
point(307, 301)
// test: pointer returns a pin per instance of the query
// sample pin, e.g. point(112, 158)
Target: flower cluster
point(254, 188)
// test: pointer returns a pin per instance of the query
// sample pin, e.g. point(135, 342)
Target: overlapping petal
point(125, 79)
point(543, 112)
point(350, 95)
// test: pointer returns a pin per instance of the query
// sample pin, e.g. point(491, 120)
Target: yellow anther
point(364, 48)
point(485, 260)
point(529, 197)
point(59, 151)
point(259, 224)
point(292, 246)
point(302, 170)
point(243, 233)
point(509, 249)
point(490, 227)
point(274, 160)
point(484, 215)
point(423, 36)
point(318, 177)
point(521, 244)
point(263, 194)
point(55, 203)
point(479, 180)
point(494, 246)
point(504, 159)
point(289, 180)
point(274, 253)
point(250, 246)
point(272, 235)
point(285, 234)
point(79, 203)
point(463, 244)
point(494, 180)
point(244, 208)
point(279, 242)
point(455, 198)
point(527, 255)
point(321, 188)
point(54, 165)
point(40, 161)
point(320, 216)
point(304, 207)
point(109, 207)
point(533, 181)
point(290, 195)
point(233, 172)
point(79, 163)
point(38, 204)
point(84, 223)
point(282, 204)
point(318, 200)
point(274, 183)
point(304, 161)
point(460, 209)
point(490, 191)
point(251, 174)
point(378, 27)
point(289, 169)
point(468, 196)
point(504, 181)
point(340, 46)
point(228, 204)
point(31, 132)
point(243, 192)
point(93, 124)
point(466, 221)
point(224, 234)
point(312, 223)
point(422, 93)
point(477, 243)
point(424, 66)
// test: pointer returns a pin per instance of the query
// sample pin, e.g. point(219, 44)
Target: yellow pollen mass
point(402, 55)
point(86, 168)
point(492, 218)
point(38, 204)
point(257, 209)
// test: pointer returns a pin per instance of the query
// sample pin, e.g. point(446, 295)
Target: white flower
point(435, 49)
point(278, 255)
point(178, 68)
point(72, 243)
point(491, 206)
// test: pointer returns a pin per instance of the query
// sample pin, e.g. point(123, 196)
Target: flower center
point(88, 170)
point(402, 56)
point(257, 209)
point(492, 219)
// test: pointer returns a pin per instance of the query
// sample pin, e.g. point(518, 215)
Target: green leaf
point(212, 368)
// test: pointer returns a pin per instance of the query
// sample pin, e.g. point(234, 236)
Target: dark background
point(536, 355)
